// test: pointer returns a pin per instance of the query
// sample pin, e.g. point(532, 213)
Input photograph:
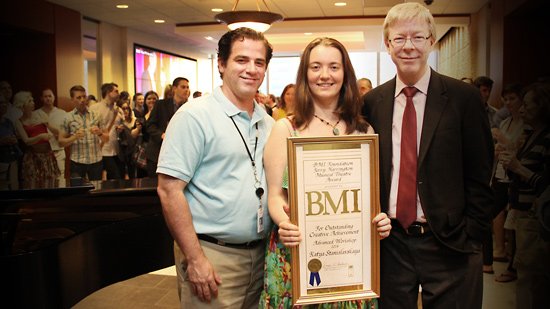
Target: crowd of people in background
point(119, 136)
point(520, 183)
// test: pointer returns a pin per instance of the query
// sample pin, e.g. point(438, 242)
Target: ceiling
point(357, 25)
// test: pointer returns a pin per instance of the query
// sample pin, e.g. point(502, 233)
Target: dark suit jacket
point(454, 162)
point(156, 125)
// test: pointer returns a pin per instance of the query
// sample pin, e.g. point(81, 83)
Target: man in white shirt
point(55, 117)
point(110, 116)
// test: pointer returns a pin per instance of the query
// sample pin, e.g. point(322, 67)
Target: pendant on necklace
point(335, 130)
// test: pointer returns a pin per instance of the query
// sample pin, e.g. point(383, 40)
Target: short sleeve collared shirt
point(86, 150)
point(203, 148)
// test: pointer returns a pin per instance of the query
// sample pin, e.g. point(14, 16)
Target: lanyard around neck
point(252, 158)
point(259, 190)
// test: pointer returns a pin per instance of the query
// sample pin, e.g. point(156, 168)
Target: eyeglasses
point(418, 40)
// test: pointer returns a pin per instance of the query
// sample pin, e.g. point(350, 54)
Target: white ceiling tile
point(301, 16)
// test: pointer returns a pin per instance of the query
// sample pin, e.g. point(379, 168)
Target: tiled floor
point(154, 290)
point(158, 290)
point(498, 295)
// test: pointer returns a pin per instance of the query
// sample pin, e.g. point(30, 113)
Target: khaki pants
point(532, 262)
point(241, 271)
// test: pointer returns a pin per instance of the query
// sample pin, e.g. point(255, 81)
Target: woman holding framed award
point(327, 103)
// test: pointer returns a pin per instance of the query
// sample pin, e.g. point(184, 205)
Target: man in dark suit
point(158, 121)
point(435, 165)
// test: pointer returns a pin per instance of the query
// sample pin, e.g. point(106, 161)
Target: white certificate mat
point(333, 196)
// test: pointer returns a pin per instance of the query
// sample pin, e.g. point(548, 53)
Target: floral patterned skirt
point(39, 170)
point(277, 292)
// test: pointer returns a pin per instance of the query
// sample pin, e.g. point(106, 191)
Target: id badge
point(260, 220)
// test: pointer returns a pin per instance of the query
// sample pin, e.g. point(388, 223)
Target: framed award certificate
point(333, 197)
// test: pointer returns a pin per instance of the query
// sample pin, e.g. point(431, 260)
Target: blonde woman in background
point(286, 105)
point(39, 167)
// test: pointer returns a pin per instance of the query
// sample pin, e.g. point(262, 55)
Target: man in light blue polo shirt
point(212, 181)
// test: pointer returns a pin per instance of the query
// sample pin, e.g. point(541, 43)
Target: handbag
point(139, 157)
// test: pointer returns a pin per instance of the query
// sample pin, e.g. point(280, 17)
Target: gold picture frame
point(333, 197)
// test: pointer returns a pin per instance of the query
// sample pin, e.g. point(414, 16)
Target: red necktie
point(406, 193)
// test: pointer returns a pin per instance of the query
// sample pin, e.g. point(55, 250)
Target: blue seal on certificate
point(314, 266)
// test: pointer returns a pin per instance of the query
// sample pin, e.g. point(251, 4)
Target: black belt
point(245, 245)
point(415, 229)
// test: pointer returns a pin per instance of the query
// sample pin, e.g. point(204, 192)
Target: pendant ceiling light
point(257, 20)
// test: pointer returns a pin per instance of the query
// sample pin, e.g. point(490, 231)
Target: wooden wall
point(41, 48)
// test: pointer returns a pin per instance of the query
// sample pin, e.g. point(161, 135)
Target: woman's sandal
point(488, 269)
point(506, 276)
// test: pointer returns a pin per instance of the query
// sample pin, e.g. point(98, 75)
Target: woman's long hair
point(349, 101)
point(282, 102)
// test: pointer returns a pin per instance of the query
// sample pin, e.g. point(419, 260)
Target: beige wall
point(496, 56)
point(477, 49)
point(91, 86)
point(456, 54)
point(490, 37)
point(111, 66)
point(480, 32)
point(68, 55)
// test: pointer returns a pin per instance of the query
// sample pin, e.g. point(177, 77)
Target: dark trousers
point(88, 171)
point(114, 167)
point(449, 279)
point(129, 167)
point(151, 168)
point(141, 173)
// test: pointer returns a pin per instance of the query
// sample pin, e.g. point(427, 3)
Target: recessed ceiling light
point(308, 33)
point(209, 38)
point(340, 4)
point(217, 10)
point(159, 21)
point(122, 6)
